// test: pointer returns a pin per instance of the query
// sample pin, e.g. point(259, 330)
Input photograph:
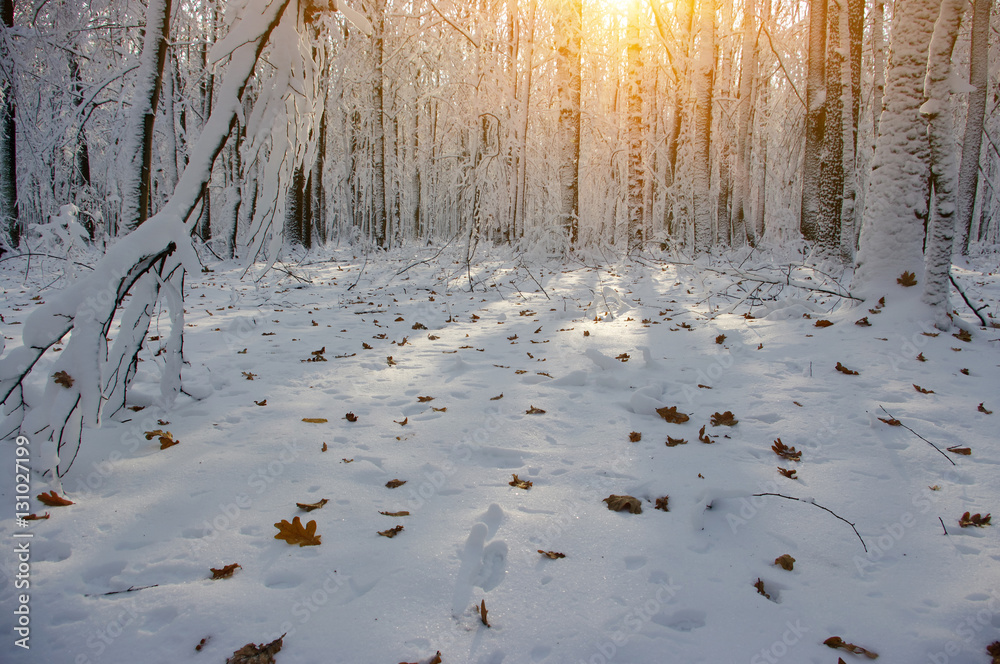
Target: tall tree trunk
point(704, 83)
point(522, 164)
point(942, 159)
point(9, 218)
point(138, 146)
point(812, 164)
point(968, 174)
point(878, 57)
point(378, 157)
point(742, 226)
point(892, 233)
point(831, 186)
point(636, 169)
point(570, 29)
point(849, 130)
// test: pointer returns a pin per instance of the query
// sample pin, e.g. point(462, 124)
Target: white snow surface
point(671, 586)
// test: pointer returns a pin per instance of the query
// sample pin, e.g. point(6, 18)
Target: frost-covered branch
point(144, 268)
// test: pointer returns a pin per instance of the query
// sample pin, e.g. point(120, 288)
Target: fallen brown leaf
point(401, 513)
point(225, 572)
point(394, 484)
point(724, 419)
point(670, 414)
point(674, 442)
point(634, 437)
point(837, 642)
point(519, 483)
point(351, 417)
point(62, 378)
point(483, 612)
point(309, 507)
point(786, 452)
point(662, 503)
point(621, 503)
point(977, 520)
point(534, 411)
point(554, 555)
point(315, 420)
point(844, 370)
point(786, 562)
point(296, 533)
point(262, 654)
point(392, 532)
point(790, 474)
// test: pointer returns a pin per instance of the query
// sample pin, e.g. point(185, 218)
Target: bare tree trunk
point(742, 226)
point(878, 55)
point(849, 129)
point(570, 27)
point(893, 232)
point(9, 218)
point(138, 146)
point(704, 82)
point(831, 186)
point(812, 164)
point(522, 164)
point(942, 159)
point(378, 92)
point(968, 174)
point(636, 169)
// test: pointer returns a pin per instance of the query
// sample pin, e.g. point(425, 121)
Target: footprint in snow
point(483, 565)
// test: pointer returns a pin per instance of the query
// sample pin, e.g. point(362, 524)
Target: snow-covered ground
point(598, 351)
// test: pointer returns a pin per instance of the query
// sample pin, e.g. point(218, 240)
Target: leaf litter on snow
point(581, 450)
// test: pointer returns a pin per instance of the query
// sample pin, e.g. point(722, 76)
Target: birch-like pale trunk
point(968, 172)
point(892, 232)
point(937, 111)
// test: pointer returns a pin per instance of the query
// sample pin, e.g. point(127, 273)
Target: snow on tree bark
point(742, 223)
point(137, 148)
point(636, 170)
point(812, 162)
point(569, 27)
point(968, 174)
point(892, 233)
point(9, 222)
point(848, 83)
point(702, 128)
point(942, 158)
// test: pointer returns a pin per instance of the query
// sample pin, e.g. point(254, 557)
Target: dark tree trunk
point(9, 222)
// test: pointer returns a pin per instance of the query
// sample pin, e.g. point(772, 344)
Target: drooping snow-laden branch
point(146, 266)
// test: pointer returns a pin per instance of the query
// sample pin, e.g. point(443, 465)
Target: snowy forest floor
point(448, 389)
